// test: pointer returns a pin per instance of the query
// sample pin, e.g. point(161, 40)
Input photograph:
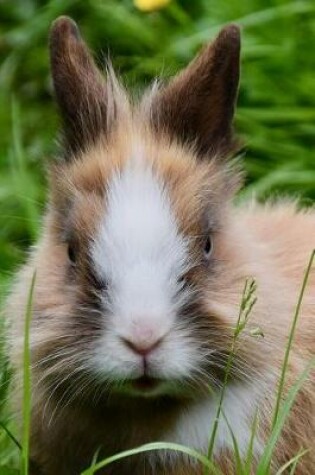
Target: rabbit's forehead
point(141, 197)
point(139, 225)
point(163, 182)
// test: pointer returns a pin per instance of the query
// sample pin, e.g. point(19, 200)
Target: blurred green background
point(275, 117)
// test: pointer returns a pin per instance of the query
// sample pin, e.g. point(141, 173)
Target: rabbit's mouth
point(145, 383)
point(145, 386)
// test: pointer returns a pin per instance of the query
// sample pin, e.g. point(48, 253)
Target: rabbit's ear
point(198, 104)
point(80, 89)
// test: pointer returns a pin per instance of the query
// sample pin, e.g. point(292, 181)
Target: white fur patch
point(141, 254)
point(194, 427)
point(139, 250)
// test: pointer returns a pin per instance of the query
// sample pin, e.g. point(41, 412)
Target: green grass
point(247, 303)
point(275, 117)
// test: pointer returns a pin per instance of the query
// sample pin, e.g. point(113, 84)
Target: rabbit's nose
point(142, 348)
point(143, 340)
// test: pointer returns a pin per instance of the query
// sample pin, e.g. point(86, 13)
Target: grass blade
point(246, 305)
point(293, 468)
point(284, 409)
point(250, 450)
point(27, 382)
point(294, 461)
point(155, 446)
point(291, 336)
point(10, 435)
point(92, 467)
point(237, 456)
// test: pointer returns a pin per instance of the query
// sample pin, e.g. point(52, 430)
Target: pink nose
point(142, 347)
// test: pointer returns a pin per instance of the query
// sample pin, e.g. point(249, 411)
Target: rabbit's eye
point(71, 254)
point(208, 246)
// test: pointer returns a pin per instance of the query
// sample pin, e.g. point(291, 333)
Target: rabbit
point(140, 268)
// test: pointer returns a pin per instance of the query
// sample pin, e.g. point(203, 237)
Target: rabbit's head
point(137, 276)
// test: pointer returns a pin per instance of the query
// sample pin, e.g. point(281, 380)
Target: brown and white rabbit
point(140, 269)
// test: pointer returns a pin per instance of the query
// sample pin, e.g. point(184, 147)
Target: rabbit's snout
point(143, 338)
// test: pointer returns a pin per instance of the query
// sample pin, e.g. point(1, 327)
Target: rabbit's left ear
point(197, 106)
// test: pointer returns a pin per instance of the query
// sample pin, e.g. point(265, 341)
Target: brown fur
point(186, 142)
point(211, 79)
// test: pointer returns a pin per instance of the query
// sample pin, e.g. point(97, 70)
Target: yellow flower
point(150, 5)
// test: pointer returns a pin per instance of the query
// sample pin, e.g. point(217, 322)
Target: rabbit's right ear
point(197, 105)
point(80, 89)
